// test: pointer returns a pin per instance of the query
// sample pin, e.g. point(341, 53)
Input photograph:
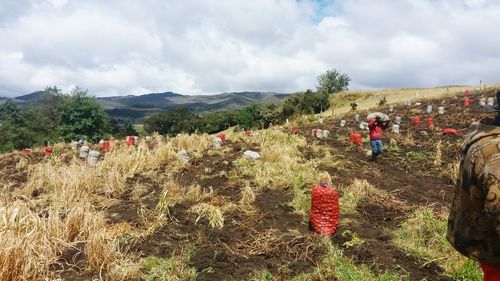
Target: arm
point(384, 125)
point(372, 122)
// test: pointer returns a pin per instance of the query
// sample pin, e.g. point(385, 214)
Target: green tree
point(16, 132)
point(172, 122)
point(46, 111)
point(333, 82)
point(216, 122)
point(120, 129)
point(247, 117)
point(82, 117)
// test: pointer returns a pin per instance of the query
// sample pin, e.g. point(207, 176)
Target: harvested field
point(145, 214)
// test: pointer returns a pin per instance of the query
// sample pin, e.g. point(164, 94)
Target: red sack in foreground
point(449, 131)
point(324, 214)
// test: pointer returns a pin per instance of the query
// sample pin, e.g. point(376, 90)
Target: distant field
point(371, 98)
point(139, 128)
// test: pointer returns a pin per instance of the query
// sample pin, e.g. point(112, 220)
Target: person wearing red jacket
point(376, 126)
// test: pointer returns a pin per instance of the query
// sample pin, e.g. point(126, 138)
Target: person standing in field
point(376, 126)
point(474, 221)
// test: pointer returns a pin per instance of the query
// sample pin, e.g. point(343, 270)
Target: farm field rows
point(145, 214)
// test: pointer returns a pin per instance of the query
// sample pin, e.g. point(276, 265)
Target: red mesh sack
point(324, 214)
point(415, 120)
point(467, 102)
point(430, 122)
point(105, 146)
point(222, 137)
point(131, 140)
point(449, 131)
point(47, 151)
point(355, 138)
point(351, 137)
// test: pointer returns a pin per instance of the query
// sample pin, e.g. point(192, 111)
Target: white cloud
point(201, 47)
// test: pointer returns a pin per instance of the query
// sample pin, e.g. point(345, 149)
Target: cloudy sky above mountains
point(120, 47)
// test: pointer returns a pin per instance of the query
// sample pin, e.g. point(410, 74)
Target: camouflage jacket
point(474, 222)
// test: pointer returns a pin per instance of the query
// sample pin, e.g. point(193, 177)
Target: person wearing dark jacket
point(474, 221)
point(376, 126)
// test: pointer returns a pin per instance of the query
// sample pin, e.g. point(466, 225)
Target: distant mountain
point(31, 97)
point(142, 106)
point(136, 108)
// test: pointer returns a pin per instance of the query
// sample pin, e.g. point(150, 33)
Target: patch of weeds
point(301, 201)
point(355, 240)
point(166, 269)
point(414, 156)
point(336, 265)
point(393, 146)
point(423, 235)
point(263, 275)
point(469, 271)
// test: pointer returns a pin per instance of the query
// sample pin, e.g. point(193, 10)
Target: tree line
point(76, 115)
point(57, 117)
point(251, 116)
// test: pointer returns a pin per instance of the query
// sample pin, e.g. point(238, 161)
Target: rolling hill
point(136, 108)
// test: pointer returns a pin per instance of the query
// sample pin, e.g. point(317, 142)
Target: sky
point(122, 47)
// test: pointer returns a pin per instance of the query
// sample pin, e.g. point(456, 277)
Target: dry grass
point(451, 172)
point(173, 194)
point(30, 244)
point(35, 231)
point(438, 156)
point(214, 214)
point(408, 139)
point(247, 196)
point(290, 247)
point(356, 193)
point(281, 164)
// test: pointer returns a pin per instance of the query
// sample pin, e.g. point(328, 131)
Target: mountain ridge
point(135, 108)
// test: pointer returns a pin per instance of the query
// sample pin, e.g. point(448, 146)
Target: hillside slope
point(144, 213)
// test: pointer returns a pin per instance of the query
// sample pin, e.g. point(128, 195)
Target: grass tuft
point(423, 235)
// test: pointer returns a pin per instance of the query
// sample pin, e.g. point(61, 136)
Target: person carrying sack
point(474, 221)
point(376, 126)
